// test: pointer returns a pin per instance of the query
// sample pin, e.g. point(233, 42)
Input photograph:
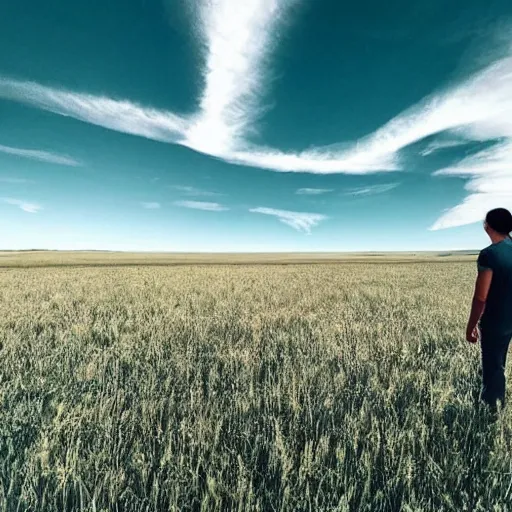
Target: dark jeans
point(494, 348)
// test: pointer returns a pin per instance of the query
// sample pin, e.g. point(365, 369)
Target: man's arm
point(482, 286)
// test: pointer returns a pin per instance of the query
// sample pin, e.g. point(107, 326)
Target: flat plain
point(244, 382)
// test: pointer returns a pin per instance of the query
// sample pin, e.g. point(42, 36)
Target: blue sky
point(263, 125)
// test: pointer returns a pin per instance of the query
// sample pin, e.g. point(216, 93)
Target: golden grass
point(26, 259)
point(315, 387)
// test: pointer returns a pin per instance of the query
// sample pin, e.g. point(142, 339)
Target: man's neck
point(496, 238)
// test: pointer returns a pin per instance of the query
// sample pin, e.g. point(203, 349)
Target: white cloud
point(442, 144)
point(238, 37)
point(42, 156)
point(473, 209)
point(121, 116)
point(328, 160)
point(151, 206)
point(200, 205)
point(164, 126)
point(24, 205)
point(492, 161)
point(297, 220)
point(371, 190)
point(489, 186)
point(479, 110)
point(313, 191)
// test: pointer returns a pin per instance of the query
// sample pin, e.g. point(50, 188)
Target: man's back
point(498, 309)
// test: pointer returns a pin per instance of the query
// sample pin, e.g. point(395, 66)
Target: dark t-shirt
point(497, 316)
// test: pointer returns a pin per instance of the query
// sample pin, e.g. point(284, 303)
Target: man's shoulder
point(498, 255)
point(505, 250)
point(487, 250)
point(499, 248)
point(486, 258)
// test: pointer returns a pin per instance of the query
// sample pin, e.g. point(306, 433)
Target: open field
point(329, 386)
point(100, 258)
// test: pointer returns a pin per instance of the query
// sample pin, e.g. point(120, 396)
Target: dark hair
point(500, 220)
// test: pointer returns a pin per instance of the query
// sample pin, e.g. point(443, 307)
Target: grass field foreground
point(253, 387)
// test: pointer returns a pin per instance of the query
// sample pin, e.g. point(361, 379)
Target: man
point(492, 306)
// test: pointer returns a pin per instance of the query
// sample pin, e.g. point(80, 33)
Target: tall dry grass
point(301, 388)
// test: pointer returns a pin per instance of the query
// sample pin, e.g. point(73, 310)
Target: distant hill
point(35, 258)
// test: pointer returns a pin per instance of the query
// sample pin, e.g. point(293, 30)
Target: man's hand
point(472, 334)
point(482, 286)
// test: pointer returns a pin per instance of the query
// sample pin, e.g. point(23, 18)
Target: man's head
point(498, 221)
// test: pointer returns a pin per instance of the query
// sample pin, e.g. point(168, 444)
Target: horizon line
point(405, 251)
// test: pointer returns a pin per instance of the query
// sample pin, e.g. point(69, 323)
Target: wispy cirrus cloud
point(474, 208)
point(201, 205)
point(150, 206)
point(438, 145)
point(237, 37)
point(489, 97)
point(23, 205)
point(371, 190)
point(300, 221)
point(321, 160)
point(313, 191)
point(42, 156)
point(478, 109)
point(489, 185)
point(119, 115)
